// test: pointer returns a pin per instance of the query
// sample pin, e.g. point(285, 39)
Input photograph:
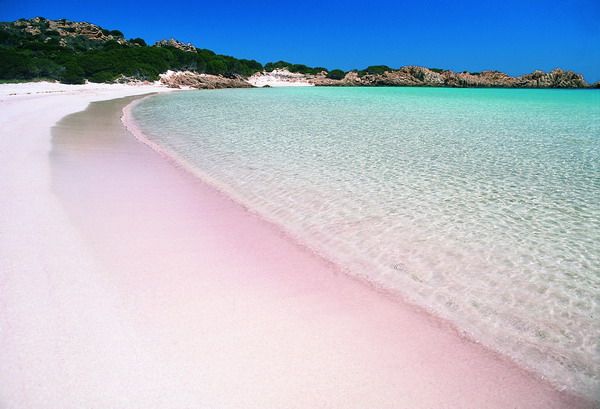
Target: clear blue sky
point(512, 36)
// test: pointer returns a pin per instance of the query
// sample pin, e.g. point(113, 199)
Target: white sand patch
point(89, 89)
point(279, 78)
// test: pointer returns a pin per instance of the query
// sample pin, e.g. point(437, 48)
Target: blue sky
point(512, 36)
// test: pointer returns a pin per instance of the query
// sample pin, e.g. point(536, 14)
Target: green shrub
point(138, 41)
point(375, 70)
point(73, 74)
point(216, 67)
point(298, 68)
point(270, 66)
point(14, 65)
point(336, 74)
point(102, 76)
point(112, 44)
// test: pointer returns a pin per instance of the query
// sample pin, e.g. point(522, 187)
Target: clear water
point(483, 206)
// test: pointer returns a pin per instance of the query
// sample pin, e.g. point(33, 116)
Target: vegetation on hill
point(336, 74)
point(73, 52)
point(299, 68)
point(375, 69)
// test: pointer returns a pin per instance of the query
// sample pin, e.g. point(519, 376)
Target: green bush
point(138, 41)
point(336, 74)
point(298, 68)
point(14, 65)
point(102, 76)
point(375, 69)
point(216, 67)
point(73, 74)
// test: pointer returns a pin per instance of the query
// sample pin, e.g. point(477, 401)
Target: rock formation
point(176, 44)
point(189, 79)
point(425, 77)
point(67, 31)
point(554, 79)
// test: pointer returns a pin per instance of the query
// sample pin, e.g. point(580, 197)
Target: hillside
point(72, 52)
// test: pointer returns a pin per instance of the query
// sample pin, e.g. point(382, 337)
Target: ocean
point(481, 206)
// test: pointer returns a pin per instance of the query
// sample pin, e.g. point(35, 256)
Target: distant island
point(73, 52)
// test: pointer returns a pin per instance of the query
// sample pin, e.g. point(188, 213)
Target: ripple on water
point(482, 206)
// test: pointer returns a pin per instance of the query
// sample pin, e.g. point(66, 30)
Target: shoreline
point(291, 322)
point(403, 302)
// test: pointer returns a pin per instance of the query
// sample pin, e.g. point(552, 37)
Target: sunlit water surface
point(483, 206)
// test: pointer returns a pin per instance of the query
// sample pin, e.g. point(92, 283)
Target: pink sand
point(186, 299)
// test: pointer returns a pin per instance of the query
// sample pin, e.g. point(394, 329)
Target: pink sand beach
point(127, 282)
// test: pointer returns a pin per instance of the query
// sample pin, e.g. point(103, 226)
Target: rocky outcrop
point(409, 76)
point(554, 79)
point(189, 79)
point(176, 44)
point(424, 77)
point(67, 32)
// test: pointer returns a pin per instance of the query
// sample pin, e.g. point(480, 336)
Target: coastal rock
point(406, 76)
point(555, 79)
point(416, 76)
point(176, 44)
point(189, 79)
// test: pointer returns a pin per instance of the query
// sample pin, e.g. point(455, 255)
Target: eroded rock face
point(424, 77)
point(68, 31)
point(176, 44)
point(406, 76)
point(554, 79)
point(189, 79)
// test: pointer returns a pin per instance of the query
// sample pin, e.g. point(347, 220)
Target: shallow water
point(482, 206)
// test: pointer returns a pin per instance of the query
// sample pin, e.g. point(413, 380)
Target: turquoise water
point(480, 205)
